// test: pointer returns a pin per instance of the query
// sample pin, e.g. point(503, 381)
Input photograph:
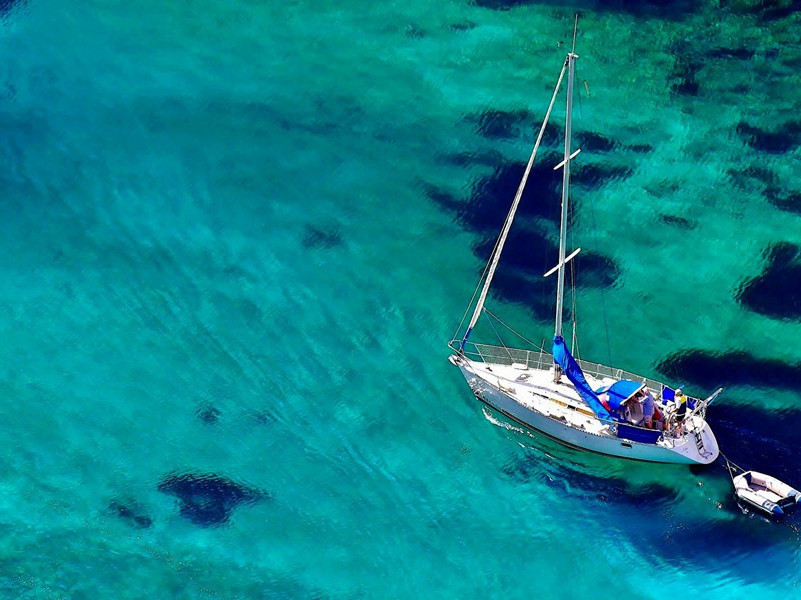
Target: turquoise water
point(236, 238)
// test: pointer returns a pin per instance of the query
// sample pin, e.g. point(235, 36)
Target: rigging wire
point(574, 309)
point(500, 339)
point(595, 247)
point(603, 295)
point(475, 291)
point(731, 466)
point(520, 335)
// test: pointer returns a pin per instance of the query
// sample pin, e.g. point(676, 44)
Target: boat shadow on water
point(581, 475)
point(764, 440)
point(686, 517)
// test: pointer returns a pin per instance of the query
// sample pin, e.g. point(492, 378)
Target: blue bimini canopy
point(620, 391)
point(563, 358)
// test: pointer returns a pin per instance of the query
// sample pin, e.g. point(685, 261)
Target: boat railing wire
point(538, 358)
point(504, 355)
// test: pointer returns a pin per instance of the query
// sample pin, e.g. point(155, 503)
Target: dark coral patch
point(249, 311)
point(707, 370)
point(531, 254)
point(527, 256)
point(207, 500)
point(777, 291)
point(749, 177)
point(528, 251)
point(590, 141)
point(788, 201)
point(501, 4)
point(594, 270)
point(442, 198)
point(677, 222)
point(785, 138)
point(512, 286)
point(208, 414)
point(131, 513)
point(500, 124)
point(261, 417)
point(494, 124)
point(765, 10)
point(491, 196)
point(780, 10)
point(7, 5)
point(683, 77)
point(595, 175)
point(664, 9)
point(462, 26)
point(732, 53)
point(414, 32)
point(316, 237)
point(489, 158)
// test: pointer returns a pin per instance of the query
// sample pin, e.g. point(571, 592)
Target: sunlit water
point(237, 237)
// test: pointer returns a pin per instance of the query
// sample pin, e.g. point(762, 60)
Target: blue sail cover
point(563, 358)
point(619, 392)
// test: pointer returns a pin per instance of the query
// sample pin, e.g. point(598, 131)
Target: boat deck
point(534, 388)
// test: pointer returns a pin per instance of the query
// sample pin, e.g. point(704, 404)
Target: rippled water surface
point(237, 236)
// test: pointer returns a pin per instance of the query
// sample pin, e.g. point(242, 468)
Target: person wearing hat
point(681, 409)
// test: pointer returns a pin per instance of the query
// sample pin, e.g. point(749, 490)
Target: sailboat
point(582, 404)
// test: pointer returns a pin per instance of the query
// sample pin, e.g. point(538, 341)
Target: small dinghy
point(765, 493)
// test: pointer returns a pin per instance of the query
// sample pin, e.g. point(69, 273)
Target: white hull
point(766, 493)
point(557, 411)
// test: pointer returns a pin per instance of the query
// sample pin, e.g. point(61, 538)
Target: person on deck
point(658, 419)
point(681, 410)
point(648, 408)
point(633, 411)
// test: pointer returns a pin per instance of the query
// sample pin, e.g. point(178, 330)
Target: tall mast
point(560, 286)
